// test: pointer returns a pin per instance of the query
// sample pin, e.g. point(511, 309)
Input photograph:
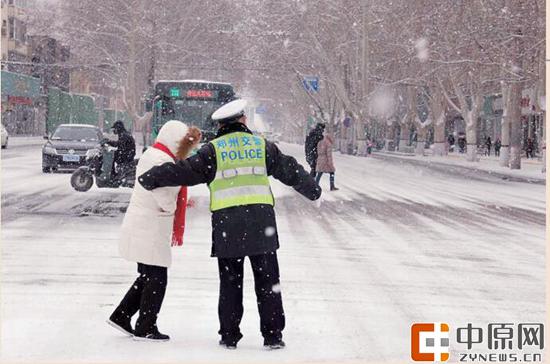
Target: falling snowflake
point(422, 52)
point(269, 231)
point(276, 288)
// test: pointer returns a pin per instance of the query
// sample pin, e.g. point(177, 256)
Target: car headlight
point(49, 150)
point(90, 153)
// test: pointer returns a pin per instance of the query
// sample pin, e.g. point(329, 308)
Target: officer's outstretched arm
point(287, 170)
point(197, 169)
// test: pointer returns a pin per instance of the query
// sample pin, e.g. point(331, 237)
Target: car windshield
point(75, 133)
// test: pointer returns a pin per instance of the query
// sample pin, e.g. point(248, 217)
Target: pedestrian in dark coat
point(312, 140)
point(451, 142)
point(498, 144)
point(243, 229)
point(529, 148)
point(488, 144)
point(125, 145)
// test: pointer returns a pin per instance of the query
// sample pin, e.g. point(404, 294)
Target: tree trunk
point(420, 140)
point(404, 136)
point(543, 148)
point(504, 159)
point(514, 111)
point(389, 146)
point(439, 135)
point(471, 137)
point(437, 106)
point(516, 64)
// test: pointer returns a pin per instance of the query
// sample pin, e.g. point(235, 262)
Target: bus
point(190, 101)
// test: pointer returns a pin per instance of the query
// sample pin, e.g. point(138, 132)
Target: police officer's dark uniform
point(235, 165)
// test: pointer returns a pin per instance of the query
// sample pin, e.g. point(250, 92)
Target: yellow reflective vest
point(241, 174)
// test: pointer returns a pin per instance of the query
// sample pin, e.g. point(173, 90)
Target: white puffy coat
point(146, 232)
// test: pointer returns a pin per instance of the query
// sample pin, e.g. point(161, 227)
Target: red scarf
point(178, 227)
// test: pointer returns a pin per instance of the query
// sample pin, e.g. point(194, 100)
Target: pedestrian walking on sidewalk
point(153, 223)
point(451, 142)
point(325, 163)
point(488, 144)
point(498, 144)
point(312, 139)
point(235, 166)
point(461, 143)
point(529, 148)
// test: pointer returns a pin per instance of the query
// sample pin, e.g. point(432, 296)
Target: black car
point(66, 148)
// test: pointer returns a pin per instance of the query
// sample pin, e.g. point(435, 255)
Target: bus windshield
point(192, 102)
point(194, 112)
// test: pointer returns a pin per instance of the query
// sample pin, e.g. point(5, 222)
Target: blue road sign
point(311, 83)
point(347, 122)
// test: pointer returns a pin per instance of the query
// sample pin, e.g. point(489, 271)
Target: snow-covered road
point(397, 244)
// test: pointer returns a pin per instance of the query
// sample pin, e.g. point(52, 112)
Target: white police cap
point(230, 111)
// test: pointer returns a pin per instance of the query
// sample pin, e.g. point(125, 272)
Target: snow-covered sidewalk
point(531, 169)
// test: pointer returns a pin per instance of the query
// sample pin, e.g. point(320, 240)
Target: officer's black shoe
point(154, 335)
point(274, 345)
point(123, 326)
point(231, 345)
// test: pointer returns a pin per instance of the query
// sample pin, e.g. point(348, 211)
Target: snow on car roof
point(80, 125)
point(195, 81)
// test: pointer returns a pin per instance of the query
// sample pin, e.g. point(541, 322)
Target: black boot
point(121, 318)
point(231, 345)
point(274, 345)
point(332, 187)
point(121, 325)
point(153, 335)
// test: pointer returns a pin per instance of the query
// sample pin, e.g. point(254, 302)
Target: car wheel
point(82, 180)
point(45, 169)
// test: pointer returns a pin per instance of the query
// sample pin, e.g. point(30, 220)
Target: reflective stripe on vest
point(241, 176)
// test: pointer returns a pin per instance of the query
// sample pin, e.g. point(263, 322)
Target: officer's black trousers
point(313, 166)
point(266, 283)
point(145, 295)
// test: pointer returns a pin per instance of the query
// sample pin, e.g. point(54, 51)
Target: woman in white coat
point(147, 235)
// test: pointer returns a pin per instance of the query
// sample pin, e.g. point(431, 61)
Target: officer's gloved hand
point(147, 181)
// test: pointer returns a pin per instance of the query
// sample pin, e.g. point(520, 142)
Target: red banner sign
point(199, 93)
point(19, 100)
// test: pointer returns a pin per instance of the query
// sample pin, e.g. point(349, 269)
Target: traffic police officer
point(236, 166)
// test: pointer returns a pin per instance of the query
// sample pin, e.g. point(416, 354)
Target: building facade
point(15, 49)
